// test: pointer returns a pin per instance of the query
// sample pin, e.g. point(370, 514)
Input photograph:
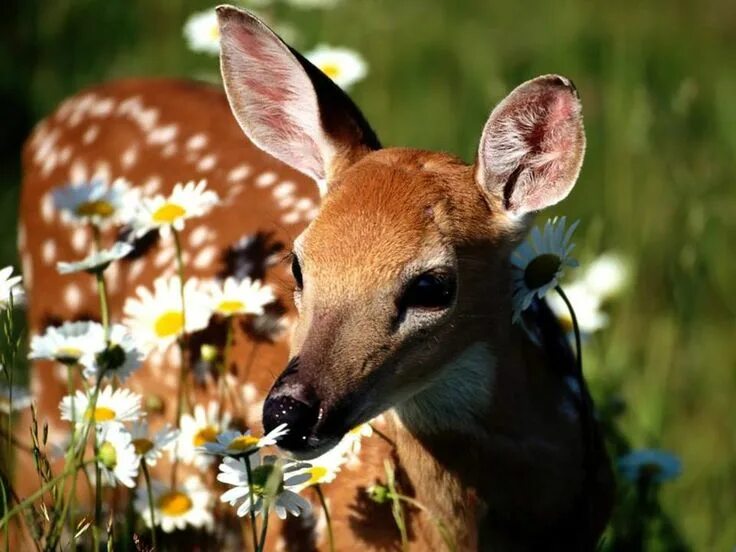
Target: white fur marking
point(266, 179)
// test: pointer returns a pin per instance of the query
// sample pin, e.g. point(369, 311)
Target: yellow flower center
point(317, 474)
point(174, 503)
point(332, 70)
point(169, 323)
point(101, 414)
point(168, 213)
point(142, 445)
point(230, 306)
point(68, 354)
point(205, 435)
point(541, 270)
point(244, 442)
point(100, 208)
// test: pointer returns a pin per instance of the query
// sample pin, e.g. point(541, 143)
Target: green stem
point(396, 508)
point(251, 513)
point(441, 526)
point(147, 477)
point(264, 527)
point(98, 505)
point(183, 369)
point(225, 362)
point(104, 312)
point(39, 493)
point(5, 511)
point(328, 519)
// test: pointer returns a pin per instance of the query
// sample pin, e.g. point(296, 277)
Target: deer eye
point(431, 291)
point(296, 271)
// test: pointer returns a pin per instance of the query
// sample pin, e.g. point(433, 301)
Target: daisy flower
point(323, 469)
point(202, 32)
point(97, 261)
point(587, 307)
point(234, 443)
point(607, 275)
point(188, 504)
point(166, 212)
point(120, 356)
point(649, 464)
point(271, 485)
point(116, 456)
point(238, 297)
point(156, 319)
point(344, 66)
point(151, 447)
point(121, 405)
point(199, 429)
point(10, 284)
point(538, 263)
point(97, 201)
point(71, 343)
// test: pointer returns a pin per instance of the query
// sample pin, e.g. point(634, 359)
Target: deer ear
point(284, 104)
point(532, 146)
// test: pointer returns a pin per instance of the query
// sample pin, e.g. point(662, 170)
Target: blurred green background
point(658, 83)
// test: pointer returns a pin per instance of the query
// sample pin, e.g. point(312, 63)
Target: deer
point(399, 302)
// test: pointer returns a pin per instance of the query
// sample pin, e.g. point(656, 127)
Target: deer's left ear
point(532, 146)
point(284, 104)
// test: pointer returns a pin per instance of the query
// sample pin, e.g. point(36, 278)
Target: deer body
point(402, 301)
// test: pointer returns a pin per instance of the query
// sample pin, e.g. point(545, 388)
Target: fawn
point(401, 287)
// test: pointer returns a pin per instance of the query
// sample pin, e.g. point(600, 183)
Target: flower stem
point(396, 509)
point(104, 311)
point(226, 361)
point(252, 514)
point(147, 477)
point(441, 526)
point(586, 423)
point(264, 528)
point(98, 504)
point(323, 502)
point(183, 369)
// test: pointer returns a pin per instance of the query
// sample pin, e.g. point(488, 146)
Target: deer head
point(402, 282)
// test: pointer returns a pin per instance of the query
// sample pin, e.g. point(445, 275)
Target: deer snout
point(294, 403)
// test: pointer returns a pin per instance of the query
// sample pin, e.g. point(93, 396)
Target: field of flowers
point(656, 202)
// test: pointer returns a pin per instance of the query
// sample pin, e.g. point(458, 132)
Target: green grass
point(658, 83)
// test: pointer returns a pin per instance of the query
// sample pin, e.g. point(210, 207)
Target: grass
point(657, 81)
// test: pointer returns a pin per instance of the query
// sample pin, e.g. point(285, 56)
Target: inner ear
point(532, 146)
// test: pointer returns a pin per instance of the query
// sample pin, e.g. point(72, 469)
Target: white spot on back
point(197, 141)
point(239, 173)
point(290, 218)
point(286, 202)
point(163, 134)
point(266, 179)
point(72, 296)
point(135, 269)
point(129, 157)
point(47, 208)
point(304, 204)
point(207, 163)
point(79, 239)
point(48, 251)
point(198, 236)
point(152, 185)
point(102, 171)
point(163, 257)
point(90, 135)
point(78, 171)
point(205, 257)
point(27, 263)
point(169, 150)
point(284, 189)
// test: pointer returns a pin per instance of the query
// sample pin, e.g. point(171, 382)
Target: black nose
point(295, 404)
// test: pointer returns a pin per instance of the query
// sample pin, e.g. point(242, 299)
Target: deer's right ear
point(532, 146)
point(284, 104)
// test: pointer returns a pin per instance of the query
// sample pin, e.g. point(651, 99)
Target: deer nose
point(295, 404)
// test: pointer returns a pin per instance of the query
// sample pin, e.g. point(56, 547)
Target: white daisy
point(163, 213)
point(151, 447)
point(21, 398)
point(121, 405)
point(202, 32)
point(649, 464)
point(71, 343)
point(96, 201)
point(352, 440)
point(97, 261)
point(116, 456)
point(188, 504)
point(120, 356)
point(587, 307)
point(324, 468)
point(344, 66)
point(234, 443)
point(156, 319)
point(538, 263)
point(199, 429)
point(10, 284)
point(607, 275)
point(238, 297)
point(272, 484)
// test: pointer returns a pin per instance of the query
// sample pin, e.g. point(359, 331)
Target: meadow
point(657, 81)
